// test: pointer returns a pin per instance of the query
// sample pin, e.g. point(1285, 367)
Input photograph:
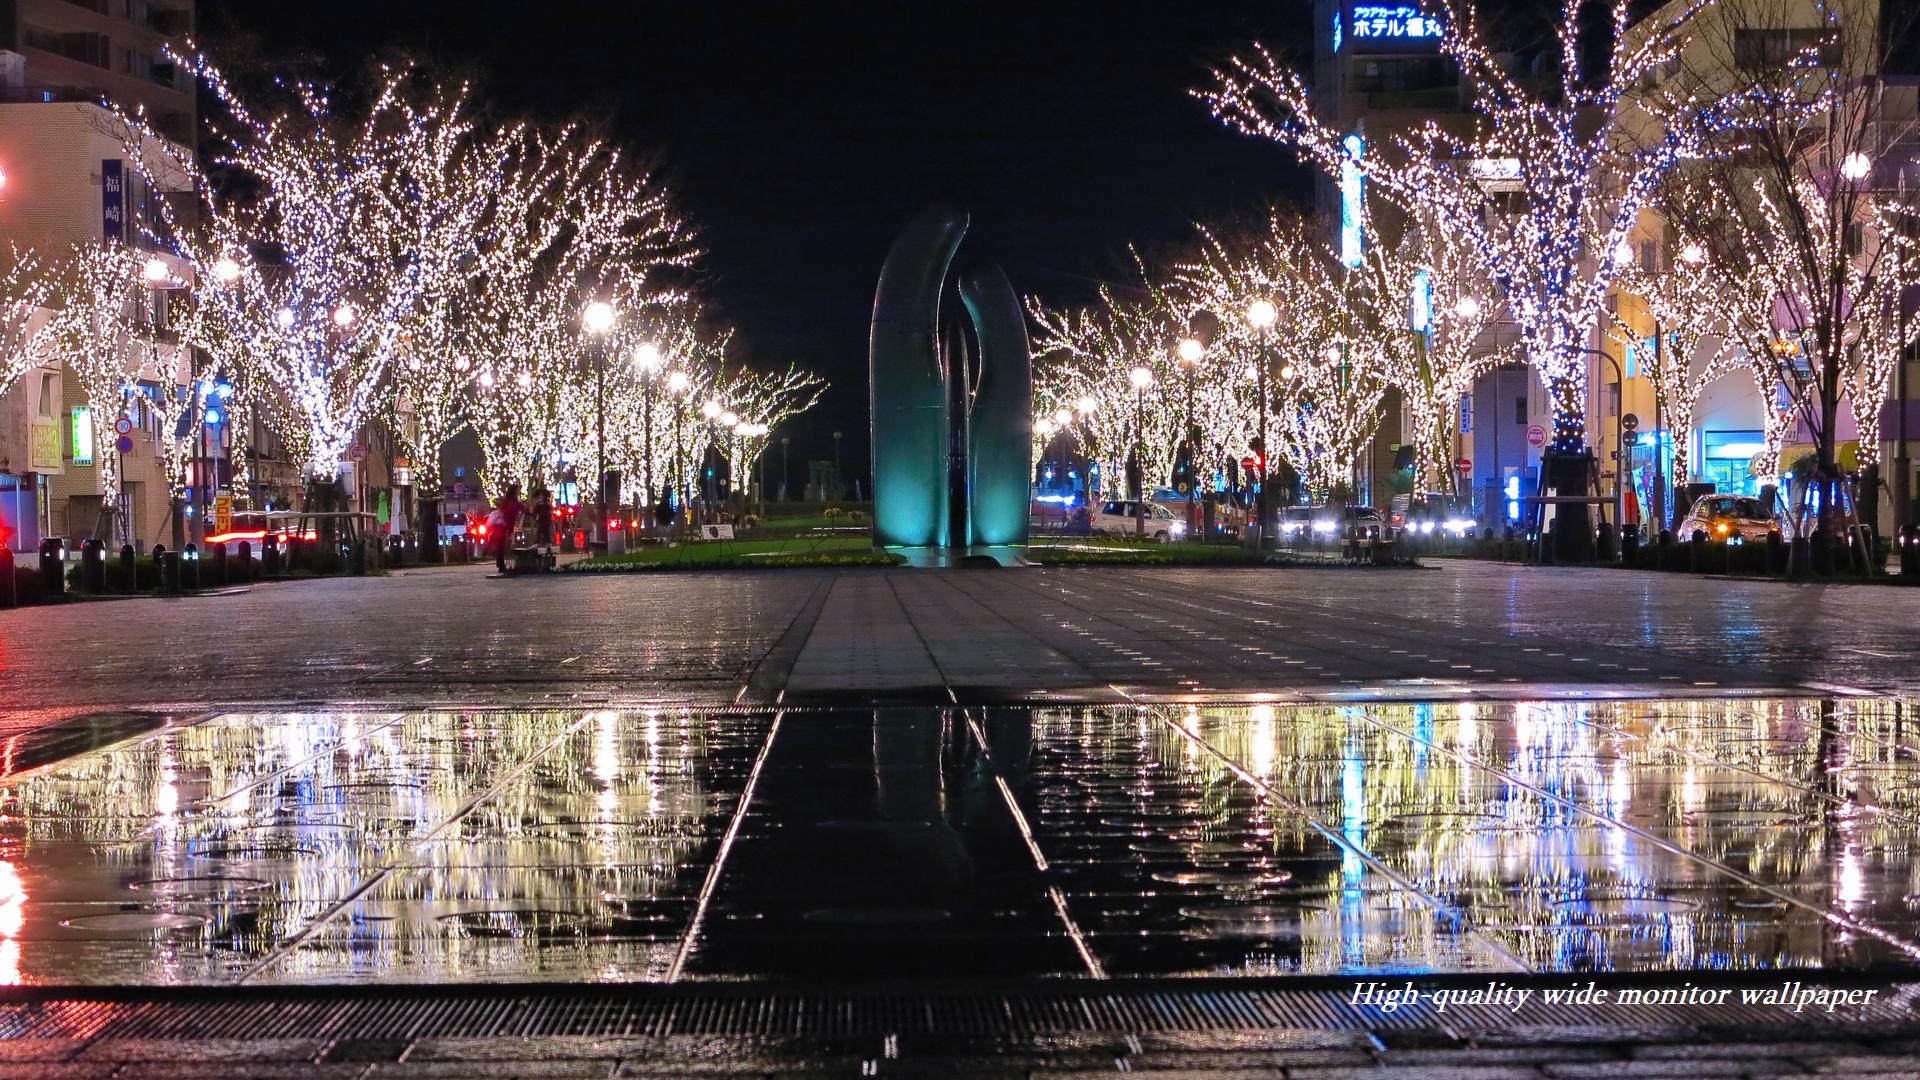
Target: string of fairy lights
point(1754, 214)
point(401, 265)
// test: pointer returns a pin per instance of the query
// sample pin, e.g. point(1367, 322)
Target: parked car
point(1117, 518)
point(1733, 518)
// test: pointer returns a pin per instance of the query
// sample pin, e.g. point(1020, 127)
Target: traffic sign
point(1630, 437)
point(1536, 435)
point(124, 444)
point(1629, 422)
point(357, 452)
point(123, 426)
point(1465, 465)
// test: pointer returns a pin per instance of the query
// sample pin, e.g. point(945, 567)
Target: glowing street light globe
point(729, 419)
point(1286, 371)
point(646, 356)
point(678, 382)
point(1467, 307)
point(155, 271)
point(343, 316)
point(1693, 253)
point(710, 410)
point(1623, 254)
point(1044, 427)
point(1261, 314)
point(1085, 405)
point(226, 269)
point(598, 317)
point(1191, 351)
point(1062, 417)
point(284, 317)
point(1140, 377)
point(1856, 166)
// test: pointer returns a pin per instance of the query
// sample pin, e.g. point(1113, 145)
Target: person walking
point(507, 510)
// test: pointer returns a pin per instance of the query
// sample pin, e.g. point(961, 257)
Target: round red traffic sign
point(1536, 435)
point(1465, 465)
point(123, 426)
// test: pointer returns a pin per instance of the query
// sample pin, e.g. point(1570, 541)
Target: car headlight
point(1323, 526)
point(1179, 528)
point(1426, 526)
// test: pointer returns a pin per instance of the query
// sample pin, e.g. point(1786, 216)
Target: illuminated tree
point(97, 293)
point(24, 289)
point(1424, 306)
point(1545, 187)
point(1698, 310)
point(1805, 183)
point(1325, 375)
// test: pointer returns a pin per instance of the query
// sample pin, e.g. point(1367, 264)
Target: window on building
point(1520, 410)
point(49, 390)
point(1758, 50)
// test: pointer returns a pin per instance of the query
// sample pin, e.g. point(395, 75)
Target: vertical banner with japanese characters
point(113, 200)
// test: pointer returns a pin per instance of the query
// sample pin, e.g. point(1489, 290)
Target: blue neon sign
point(1352, 196)
point(1403, 22)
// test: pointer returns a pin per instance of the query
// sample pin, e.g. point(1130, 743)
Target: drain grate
point(424, 1012)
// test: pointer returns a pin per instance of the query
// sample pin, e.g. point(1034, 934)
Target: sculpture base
point(978, 555)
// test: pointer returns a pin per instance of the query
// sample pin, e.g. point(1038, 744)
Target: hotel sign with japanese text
point(1370, 27)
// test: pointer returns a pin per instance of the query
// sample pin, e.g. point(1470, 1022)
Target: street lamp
point(1141, 378)
point(1261, 315)
point(1856, 166)
point(597, 319)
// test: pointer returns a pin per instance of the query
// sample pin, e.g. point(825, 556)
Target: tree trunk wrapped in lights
point(1699, 308)
point(1424, 305)
point(1547, 187)
point(25, 289)
point(98, 294)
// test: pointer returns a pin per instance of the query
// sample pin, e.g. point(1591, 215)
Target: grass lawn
point(1110, 551)
point(714, 554)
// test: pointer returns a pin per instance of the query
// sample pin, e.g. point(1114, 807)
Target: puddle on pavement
point(1258, 840)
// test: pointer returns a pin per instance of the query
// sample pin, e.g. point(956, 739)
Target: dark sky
point(800, 136)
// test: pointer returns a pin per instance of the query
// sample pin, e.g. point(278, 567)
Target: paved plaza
point(994, 823)
point(456, 636)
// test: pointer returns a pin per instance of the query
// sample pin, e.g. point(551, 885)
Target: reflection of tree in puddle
point(263, 824)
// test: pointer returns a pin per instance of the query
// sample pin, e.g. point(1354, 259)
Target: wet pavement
point(453, 636)
point(677, 845)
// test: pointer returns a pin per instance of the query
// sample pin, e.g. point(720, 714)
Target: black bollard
point(1776, 553)
point(243, 561)
point(1629, 544)
point(130, 581)
point(270, 555)
point(1603, 542)
point(1910, 552)
point(215, 572)
point(169, 564)
point(93, 565)
point(1820, 553)
point(9, 587)
point(357, 557)
point(53, 567)
point(1697, 551)
point(190, 566)
point(396, 551)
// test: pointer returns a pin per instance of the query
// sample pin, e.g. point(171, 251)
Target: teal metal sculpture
point(1000, 432)
point(951, 439)
point(908, 384)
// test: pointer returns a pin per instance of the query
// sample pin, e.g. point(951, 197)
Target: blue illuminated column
point(1352, 196)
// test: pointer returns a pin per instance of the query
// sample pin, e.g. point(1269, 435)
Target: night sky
point(801, 136)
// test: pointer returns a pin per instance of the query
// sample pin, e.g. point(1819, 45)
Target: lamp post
point(1261, 315)
point(1141, 378)
point(597, 319)
point(839, 484)
point(786, 467)
point(646, 357)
